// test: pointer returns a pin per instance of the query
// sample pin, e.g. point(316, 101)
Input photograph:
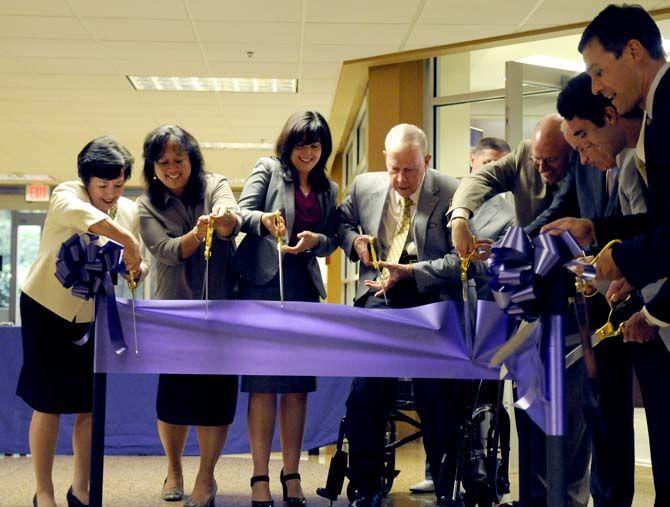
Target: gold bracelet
point(195, 233)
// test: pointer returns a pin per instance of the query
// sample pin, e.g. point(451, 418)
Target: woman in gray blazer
point(294, 183)
point(180, 201)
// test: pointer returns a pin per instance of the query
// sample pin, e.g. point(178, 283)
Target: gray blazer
point(437, 269)
point(493, 218)
point(270, 187)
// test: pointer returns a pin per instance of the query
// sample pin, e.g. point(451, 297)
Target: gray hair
point(404, 134)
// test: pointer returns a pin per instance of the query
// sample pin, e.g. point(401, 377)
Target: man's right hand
point(582, 229)
point(362, 248)
point(461, 236)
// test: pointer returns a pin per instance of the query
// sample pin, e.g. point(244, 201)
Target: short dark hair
point(104, 157)
point(306, 127)
point(576, 99)
point(492, 143)
point(154, 148)
point(615, 25)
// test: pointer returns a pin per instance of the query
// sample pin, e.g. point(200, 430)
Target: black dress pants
point(613, 464)
point(440, 403)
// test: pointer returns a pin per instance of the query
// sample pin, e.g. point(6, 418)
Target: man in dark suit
point(593, 119)
point(404, 208)
point(623, 51)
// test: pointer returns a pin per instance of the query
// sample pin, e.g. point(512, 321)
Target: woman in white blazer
point(57, 372)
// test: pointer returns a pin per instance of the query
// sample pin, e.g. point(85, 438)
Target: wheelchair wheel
point(389, 474)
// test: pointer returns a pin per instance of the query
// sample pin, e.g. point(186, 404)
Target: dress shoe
point(173, 494)
point(367, 501)
point(73, 501)
point(425, 486)
point(207, 503)
point(261, 503)
point(291, 501)
point(445, 501)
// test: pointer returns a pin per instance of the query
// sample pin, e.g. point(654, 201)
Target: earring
point(155, 177)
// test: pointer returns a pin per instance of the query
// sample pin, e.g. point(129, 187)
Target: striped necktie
point(400, 236)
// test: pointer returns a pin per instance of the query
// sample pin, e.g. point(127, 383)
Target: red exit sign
point(36, 192)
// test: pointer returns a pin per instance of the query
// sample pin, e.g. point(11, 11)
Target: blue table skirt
point(131, 414)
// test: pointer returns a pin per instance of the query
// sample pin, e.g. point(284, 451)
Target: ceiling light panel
point(214, 84)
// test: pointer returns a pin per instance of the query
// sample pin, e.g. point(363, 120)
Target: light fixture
point(21, 177)
point(207, 145)
point(214, 84)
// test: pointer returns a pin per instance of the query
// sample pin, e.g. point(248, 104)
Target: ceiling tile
point(241, 32)
point(161, 67)
point(35, 8)
point(249, 10)
point(323, 86)
point(128, 50)
point(161, 30)
point(261, 52)
point(42, 27)
point(354, 33)
point(36, 65)
point(250, 68)
point(477, 11)
point(318, 53)
point(131, 9)
point(355, 11)
point(437, 35)
point(50, 48)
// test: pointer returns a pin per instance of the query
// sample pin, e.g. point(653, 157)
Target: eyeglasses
point(546, 160)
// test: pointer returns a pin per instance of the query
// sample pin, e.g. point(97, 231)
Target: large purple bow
point(518, 266)
point(91, 270)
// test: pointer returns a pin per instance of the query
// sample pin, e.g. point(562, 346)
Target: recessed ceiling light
point(236, 146)
point(214, 84)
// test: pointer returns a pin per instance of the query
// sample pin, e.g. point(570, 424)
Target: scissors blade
point(206, 289)
point(281, 273)
point(381, 281)
point(137, 349)
point(523, 333)
point(578, 352)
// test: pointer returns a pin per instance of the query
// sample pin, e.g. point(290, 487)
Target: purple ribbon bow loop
point(90, 270)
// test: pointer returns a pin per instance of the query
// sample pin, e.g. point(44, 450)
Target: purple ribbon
point(91, 270)
point(262, 338)
point(518, 266)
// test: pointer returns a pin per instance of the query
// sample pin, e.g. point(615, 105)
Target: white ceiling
point(63, 64)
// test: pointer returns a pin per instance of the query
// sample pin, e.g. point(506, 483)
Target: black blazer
point(643, 258)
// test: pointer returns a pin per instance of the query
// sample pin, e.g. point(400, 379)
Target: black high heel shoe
point(73, 501)
point(291, 501)
point(261, 503)
point(35, 500)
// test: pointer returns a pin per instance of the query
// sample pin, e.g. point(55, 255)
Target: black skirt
point(298, 286)
point(196, 400)
point(57, 374)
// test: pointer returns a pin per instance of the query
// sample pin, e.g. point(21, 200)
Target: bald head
point(550, 152)
point(406, 134)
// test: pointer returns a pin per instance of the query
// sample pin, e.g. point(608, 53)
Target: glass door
point(26, 234)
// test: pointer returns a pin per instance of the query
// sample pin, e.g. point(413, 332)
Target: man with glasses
point(540, 171)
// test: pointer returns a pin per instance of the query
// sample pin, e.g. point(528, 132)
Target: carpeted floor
point(136, 481)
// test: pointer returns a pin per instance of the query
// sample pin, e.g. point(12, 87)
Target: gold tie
point(400, 236)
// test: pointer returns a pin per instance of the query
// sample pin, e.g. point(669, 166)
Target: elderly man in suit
point(593, 124)
point(404, 208)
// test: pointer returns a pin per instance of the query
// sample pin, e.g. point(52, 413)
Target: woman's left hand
point(224, 221)
point(307, 240)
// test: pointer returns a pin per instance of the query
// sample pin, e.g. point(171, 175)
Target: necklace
point(112, 211)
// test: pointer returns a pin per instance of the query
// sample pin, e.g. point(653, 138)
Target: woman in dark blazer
point(294, 183)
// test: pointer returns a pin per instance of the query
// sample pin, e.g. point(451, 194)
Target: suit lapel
point(289, 201)
point(377, 201)
point(428, 199)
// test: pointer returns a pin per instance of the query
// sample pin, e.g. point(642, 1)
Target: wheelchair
point(483, 456)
